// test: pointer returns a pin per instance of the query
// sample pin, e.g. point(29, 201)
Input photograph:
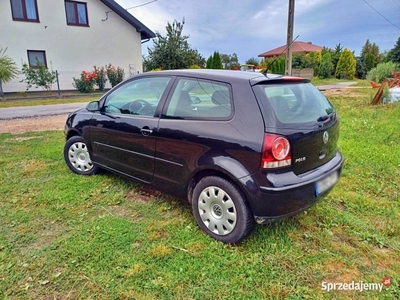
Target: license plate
point(326, 183)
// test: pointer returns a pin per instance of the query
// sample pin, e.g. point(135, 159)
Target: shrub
point(8, 68)
point(382, 71)
point(194, 67)
point(115, 75)
point(39, 76)
point(85, 84)
point(100, 77)
point(326, 66)
point(346, 66)
point(275, 65)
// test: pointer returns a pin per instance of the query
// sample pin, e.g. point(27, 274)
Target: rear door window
point(200, 99)
point(293, 102)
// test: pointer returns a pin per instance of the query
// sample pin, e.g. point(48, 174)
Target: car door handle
point(146, 131)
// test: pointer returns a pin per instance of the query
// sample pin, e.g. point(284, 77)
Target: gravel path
point(17, 126)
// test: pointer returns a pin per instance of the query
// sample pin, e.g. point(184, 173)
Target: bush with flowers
point(98, 78)
point(85, 84)
point(115, 75)
point(101, 77)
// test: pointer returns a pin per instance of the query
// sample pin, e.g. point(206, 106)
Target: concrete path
point(39, 110)
point(340, 85)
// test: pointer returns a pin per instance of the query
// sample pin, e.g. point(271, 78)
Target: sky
point(251, 27)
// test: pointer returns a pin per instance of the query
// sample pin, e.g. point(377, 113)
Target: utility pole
point(288, 69)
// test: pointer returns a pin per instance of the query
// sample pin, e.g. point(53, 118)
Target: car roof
point(219, 74)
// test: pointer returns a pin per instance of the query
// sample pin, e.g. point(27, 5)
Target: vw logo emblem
point(325, 137)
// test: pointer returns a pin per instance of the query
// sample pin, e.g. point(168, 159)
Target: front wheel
point(77, 157)
point(221, 210)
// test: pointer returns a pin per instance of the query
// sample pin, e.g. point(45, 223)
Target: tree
point(209, 64)
point(370, 55)
point(230, 61)
point(326, 66)
point(252, 61)
point(387, 55)
point(361, 69)
point(173, 50)
point(216, 61)
point(275, 65)
point(346, 66)
point(395, 53)
point(8, 69)
point(336, 55)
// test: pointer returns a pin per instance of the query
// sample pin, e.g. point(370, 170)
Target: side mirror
point(93, 106)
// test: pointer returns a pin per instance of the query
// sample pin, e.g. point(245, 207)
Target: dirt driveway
point(17, 126)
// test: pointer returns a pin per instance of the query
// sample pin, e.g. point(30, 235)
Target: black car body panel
point(173, 152)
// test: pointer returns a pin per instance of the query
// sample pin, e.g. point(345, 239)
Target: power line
point(396, 3)
point(141, 4)
point(393, 6)
point(381, 15)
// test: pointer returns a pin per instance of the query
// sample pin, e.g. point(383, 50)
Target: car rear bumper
point(287, 194)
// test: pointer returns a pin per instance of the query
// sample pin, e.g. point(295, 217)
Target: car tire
point(77, 157)
point(221, 210)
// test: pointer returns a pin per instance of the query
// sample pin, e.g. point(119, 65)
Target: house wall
point(70, 49)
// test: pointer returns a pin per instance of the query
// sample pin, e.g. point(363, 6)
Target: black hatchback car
point(251, 148)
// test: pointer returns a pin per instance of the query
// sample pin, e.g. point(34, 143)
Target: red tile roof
point(297, 47)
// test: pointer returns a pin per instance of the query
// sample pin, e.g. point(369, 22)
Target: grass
point(48, 101)
point(64, 236)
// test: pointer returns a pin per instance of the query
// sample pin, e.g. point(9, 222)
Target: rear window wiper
point(325, 118)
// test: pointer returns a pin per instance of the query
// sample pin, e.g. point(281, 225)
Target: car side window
point(137, 97)
point(200, 99)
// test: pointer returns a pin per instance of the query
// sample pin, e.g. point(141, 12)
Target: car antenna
point(265, 73)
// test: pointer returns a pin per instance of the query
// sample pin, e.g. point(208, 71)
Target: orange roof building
point(297, 47)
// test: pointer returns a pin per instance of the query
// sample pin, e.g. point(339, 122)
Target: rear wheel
point(77, 157)
point(221, 210)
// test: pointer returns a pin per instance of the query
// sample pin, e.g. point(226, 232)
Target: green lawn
point(48, 101)
point(64, 236)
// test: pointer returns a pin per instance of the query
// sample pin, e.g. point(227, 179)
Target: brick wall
point(305, 73)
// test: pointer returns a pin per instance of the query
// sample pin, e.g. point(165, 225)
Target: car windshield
point(294, 102)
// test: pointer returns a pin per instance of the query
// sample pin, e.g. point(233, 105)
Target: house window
point(76, 13)
point(35, 57)
point(24, 10)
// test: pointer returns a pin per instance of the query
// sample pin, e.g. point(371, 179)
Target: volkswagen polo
point(252, 148)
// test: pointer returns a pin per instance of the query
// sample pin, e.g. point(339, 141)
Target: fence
point(305, 73)
point(64, 82)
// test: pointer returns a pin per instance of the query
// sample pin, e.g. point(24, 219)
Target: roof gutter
point(145, 41)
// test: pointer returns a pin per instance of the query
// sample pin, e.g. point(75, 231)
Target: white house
point(70, 36)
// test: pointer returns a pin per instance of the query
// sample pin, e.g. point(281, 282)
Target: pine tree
point(370, 55)
point(346, 67)
point(216, 61)
point(395, 53)
point(209, 64)
point(336, 55)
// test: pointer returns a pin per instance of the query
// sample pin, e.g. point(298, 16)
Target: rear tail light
point(276, 152)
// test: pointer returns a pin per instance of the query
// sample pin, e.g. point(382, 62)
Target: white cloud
point(250, 27)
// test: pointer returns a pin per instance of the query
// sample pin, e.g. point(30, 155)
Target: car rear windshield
point(292, 103)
